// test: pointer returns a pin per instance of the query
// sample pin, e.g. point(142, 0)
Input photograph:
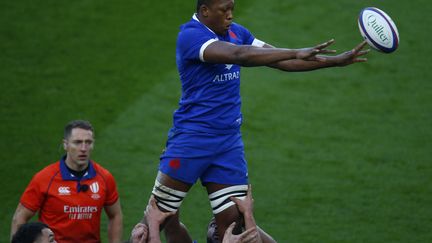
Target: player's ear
point(204, 10)
point(64, 144)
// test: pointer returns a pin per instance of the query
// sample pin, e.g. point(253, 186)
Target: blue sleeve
point(189, 43)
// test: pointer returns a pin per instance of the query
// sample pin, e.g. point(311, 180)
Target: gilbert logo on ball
point(378, 29)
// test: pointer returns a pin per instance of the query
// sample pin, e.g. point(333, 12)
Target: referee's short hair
point(86, 125)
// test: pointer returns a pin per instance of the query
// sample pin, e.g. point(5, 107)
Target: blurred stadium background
point(336, 155)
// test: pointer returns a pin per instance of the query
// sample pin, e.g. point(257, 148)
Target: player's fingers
point(360, 59)
point(360, 46)
point(250, 235)
point(235, 200)
point(152, 201)
point(249, 191)
point(231, 227)
point(364, 52)
point(327, 51)
point(169, 214)
point(144, 235)
point(325, 44)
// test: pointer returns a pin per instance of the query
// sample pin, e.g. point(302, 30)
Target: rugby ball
point(378, 29)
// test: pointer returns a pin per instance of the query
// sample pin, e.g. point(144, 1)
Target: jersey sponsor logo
point(228, 66)
point(221, 78)
point(80, 212)
point(64, 190)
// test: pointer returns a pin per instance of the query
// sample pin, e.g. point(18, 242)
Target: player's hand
point(311, 52)
point(154, 215)
point(249, 236)
point(349, 57)
point(245, 206)
point(139, 233)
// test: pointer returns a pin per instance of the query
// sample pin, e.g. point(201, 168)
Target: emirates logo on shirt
point(64, 190)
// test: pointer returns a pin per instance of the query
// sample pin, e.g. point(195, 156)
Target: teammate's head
point(216, 14)
point(33, 232)
point(212, 235)
point(78, 144)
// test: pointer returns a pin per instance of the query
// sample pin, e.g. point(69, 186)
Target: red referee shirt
point(69, 206)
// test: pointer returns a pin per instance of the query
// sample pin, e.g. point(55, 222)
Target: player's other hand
point(139, 233)
point(311, 52)
point(245, 206)
point(249, 236)
point(349, 57)
point(154, 215)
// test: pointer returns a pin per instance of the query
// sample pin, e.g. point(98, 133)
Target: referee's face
point(78, 148)
point(220, 15)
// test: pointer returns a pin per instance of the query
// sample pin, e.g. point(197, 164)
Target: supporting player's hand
point(249, 236)
point(348, 57)
point(139, 233)
point(311, 52)
point(245, 206)
point(154, 215)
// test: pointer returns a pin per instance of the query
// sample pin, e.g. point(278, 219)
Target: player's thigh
point(173, 183)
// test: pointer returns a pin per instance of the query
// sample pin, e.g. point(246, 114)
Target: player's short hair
point(203, 2)
point(29, 232)
point(86, 125)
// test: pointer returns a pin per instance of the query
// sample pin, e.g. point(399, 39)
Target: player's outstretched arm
point(246, 55)
point(323, 61)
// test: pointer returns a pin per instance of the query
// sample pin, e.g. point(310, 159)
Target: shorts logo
point(64, 190)
point(174, 164)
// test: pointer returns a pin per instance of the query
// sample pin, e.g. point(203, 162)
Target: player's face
point(46, 237)
point(220, 15)
point(78, 148)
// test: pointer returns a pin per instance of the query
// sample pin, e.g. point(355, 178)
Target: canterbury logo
point(94, 187)
point(64, 190)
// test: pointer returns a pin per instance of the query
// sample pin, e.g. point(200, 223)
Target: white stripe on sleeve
point(204, 46)
point(258, 43)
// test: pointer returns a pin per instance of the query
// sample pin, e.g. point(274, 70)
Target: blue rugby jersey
point(210, 100)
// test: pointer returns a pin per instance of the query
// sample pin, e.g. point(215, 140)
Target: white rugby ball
point(378, 29)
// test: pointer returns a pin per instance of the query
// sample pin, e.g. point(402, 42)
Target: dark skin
point(218, 16)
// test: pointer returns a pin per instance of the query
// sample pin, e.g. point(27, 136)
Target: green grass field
point(335, 155)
